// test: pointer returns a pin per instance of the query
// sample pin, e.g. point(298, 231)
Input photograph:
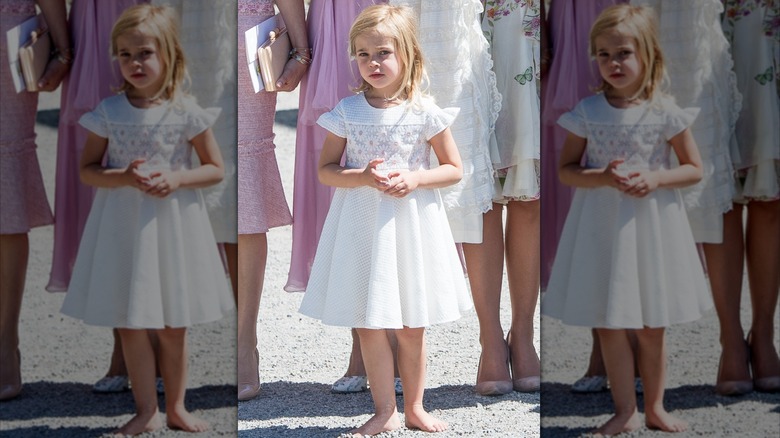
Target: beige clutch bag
point(33, 57)
point(272, 56)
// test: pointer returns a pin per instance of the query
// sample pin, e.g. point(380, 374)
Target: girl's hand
point(401, 184)
point(291, 75)
point(163, 183)
point(614, 177)
point(136, 178)
point(641, 183)
point(372, 176)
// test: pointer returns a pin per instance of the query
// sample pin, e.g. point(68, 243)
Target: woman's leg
point(763, 259)
point(173, 366)
point(724, 267)
point(411, 364)
point(651, 355)
point(140, 360)
point(522, 266)
point(14, 253)
point(378, 359)
point(619, 362)
point(485, 263)
point(231, 254)
point(252, 254)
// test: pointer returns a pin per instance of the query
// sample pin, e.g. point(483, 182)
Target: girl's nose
point(373, 63)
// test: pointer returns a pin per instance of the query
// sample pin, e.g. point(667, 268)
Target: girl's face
point(378, 62)
point(140, 63)
point(619, 63)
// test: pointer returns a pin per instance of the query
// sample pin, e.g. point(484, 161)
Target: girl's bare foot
point(141, 423)
point(377, 424)
point(179, 418)
point(417, 418)
point(619, 424)
point(664, 421)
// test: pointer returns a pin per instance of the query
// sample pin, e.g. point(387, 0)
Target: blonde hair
point(400, 24)
point(159, 23)
point(639, 23)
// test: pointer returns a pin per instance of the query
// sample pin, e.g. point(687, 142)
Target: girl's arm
point(331, 173)
point(687, 173)
point(92, 172)
point(449, 171)
point(571, 173)
point(210, 171)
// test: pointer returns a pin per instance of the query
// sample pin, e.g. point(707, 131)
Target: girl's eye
point(384, 52)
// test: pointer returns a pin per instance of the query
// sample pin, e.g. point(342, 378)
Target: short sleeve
point(334, 121)
point(439, 119)
point(678, 119)
point(96, 121)
point(199, 119)
point(574, 121)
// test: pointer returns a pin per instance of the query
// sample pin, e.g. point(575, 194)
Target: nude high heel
point(248, 390)
point(762, 384)
point(733, 387)
point(492, 387)
point(523, 384)
point(13, 389)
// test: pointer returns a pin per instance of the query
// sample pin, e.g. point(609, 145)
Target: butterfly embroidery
point(766, 76)
point(526, 76)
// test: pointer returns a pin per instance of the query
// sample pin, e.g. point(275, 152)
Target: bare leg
point(412, 361)
point(173, 364)
point(378, 358)
point(522, 267)
point(763, 260)
point(231, 254)
point(596, 362)
point(619, 361)
point(485, 264)
point(139, 357)
point(14, 253)
point(356, 366)
point(725, 265)
point(652, 365)
point(117, 366)
point(252, 255)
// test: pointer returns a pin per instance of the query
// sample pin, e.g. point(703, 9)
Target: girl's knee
point(407, 334)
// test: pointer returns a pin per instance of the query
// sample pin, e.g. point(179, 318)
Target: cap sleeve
point(439, 119)
point(199, 119)
point(574, 121)
point(96, 121)
point(678, 119)
point(335, 121)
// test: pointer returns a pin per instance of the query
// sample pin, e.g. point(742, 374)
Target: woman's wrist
point(63, 54)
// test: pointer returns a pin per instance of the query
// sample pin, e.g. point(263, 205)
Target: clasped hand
point(397, 184)
point(156, 183)
point(633, 183)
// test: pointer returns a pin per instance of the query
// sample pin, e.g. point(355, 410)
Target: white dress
point(147, 262)
point(458, 64)
point(626, 262)
point(386, 262)
point(700, 71)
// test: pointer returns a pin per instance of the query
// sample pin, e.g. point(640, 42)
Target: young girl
point(386, 259)
point(148, 259)
point(628, 259)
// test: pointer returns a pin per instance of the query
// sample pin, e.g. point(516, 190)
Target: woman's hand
point(401, 184)
point(163, 183)
point(641, 183)
point(291, 76)
point(372, 177)
point(55, 72)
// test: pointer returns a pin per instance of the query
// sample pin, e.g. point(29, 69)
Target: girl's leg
point(231, 254)
point(485, 263)
point(763, 259)
point(378, 359)
point(14, 252)
point(652, 367)
point(140, 361)
point(252, 254)
point(619, 362)
point(173, 366)
point(411, 364)
point(724, 267)
point(522, 266)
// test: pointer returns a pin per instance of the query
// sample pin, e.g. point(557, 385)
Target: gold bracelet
point(63, 56)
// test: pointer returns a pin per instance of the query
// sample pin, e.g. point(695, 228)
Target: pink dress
point(329, 80)
point(23, 203)
point(91, 79)
point(261, 202)
point(571, 78)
